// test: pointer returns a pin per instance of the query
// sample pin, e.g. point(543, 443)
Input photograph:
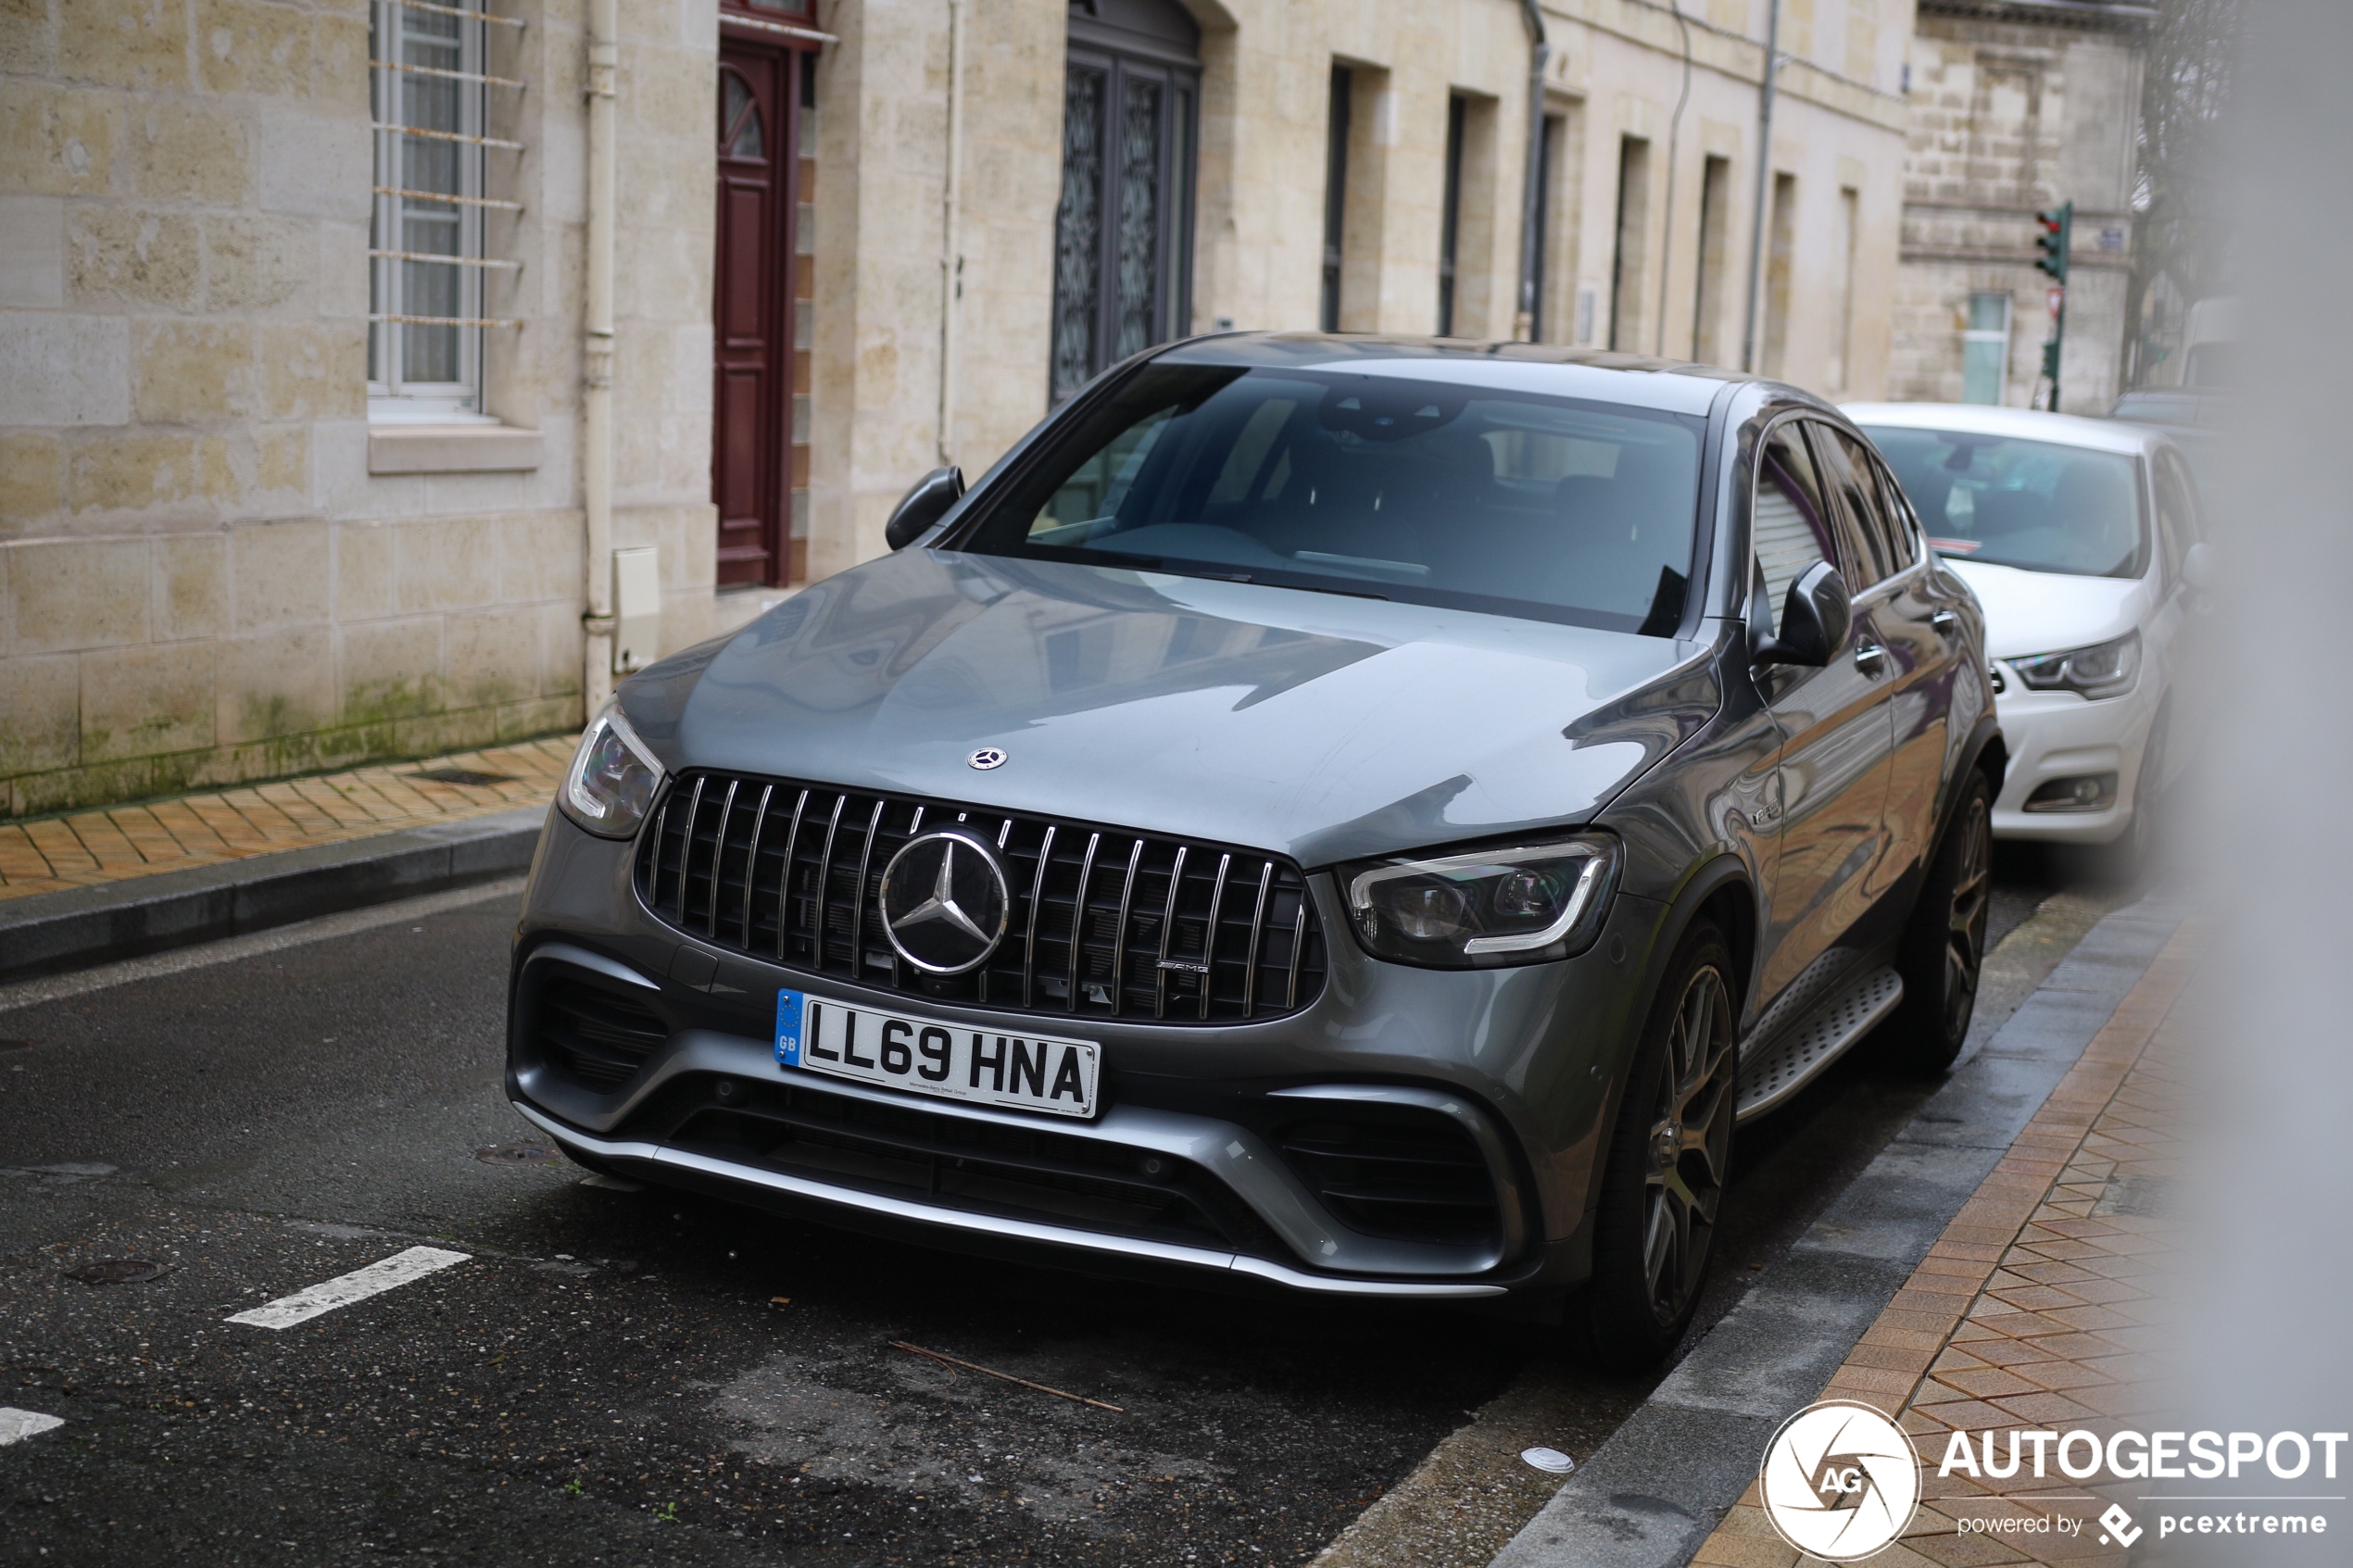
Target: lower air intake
point(593, 1036)
point(1400, 1175)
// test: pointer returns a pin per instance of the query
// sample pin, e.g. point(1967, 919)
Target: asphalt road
point(630, 1376)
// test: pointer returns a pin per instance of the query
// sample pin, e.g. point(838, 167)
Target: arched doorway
point(1123, 232)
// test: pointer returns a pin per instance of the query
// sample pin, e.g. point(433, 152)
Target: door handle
point(1870, 658)
point(1945, 623)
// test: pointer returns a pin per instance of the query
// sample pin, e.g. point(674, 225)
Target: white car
point(2082, 539)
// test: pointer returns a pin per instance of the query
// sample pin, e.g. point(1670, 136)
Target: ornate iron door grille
point(1123, 233)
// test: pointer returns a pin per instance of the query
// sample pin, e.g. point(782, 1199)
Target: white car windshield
point(2030, 504)
point(1376, 485)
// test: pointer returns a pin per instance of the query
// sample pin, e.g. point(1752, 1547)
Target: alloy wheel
point(1690, 1145)
point(1965, 921)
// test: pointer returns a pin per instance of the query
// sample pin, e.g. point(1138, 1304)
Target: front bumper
point(1518, 1066)
point(2060, 735)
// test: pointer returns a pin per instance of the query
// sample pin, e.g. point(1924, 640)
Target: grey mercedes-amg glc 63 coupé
point(1359, 816)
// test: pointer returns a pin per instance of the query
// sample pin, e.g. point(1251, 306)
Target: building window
point(427, 260)
point(1781, 257)
point(1842, 242)
point(1123, 232)
point(1633, 234)
point(1450, 222)
point(1708, 346)
point(1548, 158)
point(1985, 348)
point(1343, 86)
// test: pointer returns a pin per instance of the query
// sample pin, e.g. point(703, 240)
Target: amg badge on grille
point(945, 902)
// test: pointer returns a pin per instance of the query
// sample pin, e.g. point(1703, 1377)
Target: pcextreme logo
point(1840, 1480)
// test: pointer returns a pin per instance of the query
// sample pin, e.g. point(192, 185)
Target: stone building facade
point(298, 297)
point(2017, 105)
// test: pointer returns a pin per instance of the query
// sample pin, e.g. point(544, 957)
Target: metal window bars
point(429, 75)
point(1104, 923)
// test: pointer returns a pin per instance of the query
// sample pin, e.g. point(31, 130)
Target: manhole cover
point(463, 776)
point(519, 1154)
point(118, 1270)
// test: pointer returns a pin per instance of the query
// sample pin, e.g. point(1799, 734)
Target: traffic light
point(2058, 224)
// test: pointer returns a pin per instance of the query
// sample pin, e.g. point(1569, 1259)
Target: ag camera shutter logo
point(1839, 1481)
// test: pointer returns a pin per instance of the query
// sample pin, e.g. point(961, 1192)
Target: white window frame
point(393, 313)
point(1984, 335)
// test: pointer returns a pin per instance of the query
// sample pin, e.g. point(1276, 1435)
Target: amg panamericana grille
point(1103, 924)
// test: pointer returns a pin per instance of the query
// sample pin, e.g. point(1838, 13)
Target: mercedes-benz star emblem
point(944, 902)
point(988, 757)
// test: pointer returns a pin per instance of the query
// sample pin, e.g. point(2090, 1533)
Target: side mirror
point(2198, 567)
point(1816, 619)
point(923, 506)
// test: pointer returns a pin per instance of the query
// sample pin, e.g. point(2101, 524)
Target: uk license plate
point(925, 1056)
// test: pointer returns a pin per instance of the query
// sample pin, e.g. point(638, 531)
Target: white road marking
point(15, 1425)
point(357, 1285)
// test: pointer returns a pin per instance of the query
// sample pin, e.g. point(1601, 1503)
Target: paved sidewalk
point(2030, 1311)
point(88, 848)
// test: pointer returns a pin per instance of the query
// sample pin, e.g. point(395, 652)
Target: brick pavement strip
point(2035, 1308)
point(90, 848)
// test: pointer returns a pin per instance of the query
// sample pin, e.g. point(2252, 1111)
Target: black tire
point(1669, 1162)
point(1943, 952)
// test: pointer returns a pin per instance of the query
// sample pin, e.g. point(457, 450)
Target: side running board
point(1797, 1058)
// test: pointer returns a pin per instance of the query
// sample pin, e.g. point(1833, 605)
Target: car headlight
point(1527, 905)
point(2103, 669)
point(612, 778)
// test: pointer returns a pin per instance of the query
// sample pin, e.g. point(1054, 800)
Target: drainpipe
point(951, 260)
point(1763, 181)
point(1531, 198)
point(1674, 147)
point(595, 397)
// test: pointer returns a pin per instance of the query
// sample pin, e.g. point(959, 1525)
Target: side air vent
point(1400, 1175)
point(592, 1035)
point(1104, 923)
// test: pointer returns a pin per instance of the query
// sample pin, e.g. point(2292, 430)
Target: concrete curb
point(1649, 1497)
point(50, 933)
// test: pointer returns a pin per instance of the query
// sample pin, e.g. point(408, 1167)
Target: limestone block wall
point(206, 572)
point(2010, 116)
point(883, 295)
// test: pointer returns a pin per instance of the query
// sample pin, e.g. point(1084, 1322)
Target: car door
point(1832, 771)
point(1920, 631)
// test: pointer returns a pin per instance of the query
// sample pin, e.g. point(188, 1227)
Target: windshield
point(2029, 504)
point(1505, 502)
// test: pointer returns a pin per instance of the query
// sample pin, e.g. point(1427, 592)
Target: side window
point(1846, 475)
point(1788, 527)
point(1903, 523)
point(2176, 514)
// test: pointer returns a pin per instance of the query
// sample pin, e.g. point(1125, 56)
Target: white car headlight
point(1496, 907)
point(2103, 669)
point(612, 778)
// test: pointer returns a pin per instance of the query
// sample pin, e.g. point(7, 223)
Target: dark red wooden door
point(751, 444)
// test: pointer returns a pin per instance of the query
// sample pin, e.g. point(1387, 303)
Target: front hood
point(2029, 612)
point(1317, 725)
